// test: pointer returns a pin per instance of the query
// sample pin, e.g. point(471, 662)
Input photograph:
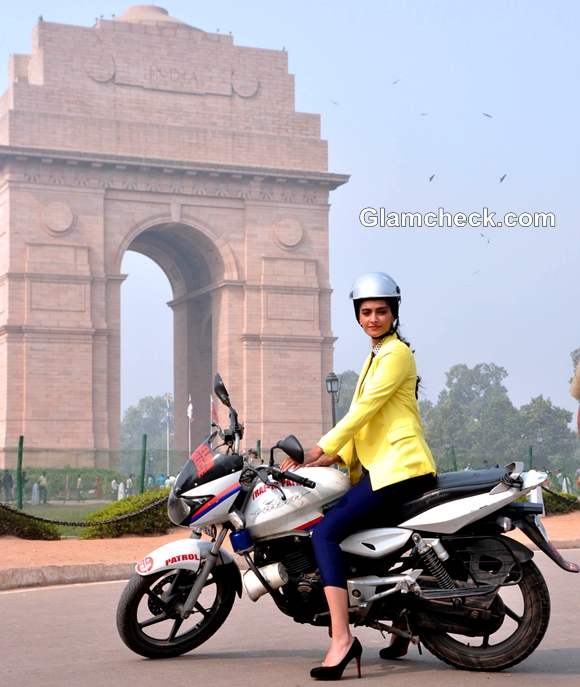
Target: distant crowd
point(38, 492)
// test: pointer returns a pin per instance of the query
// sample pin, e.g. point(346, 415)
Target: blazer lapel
point(385, 348)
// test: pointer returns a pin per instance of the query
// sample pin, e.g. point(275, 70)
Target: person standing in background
point(575, 391)
point(8, 485)
point(43, 488)
point(129, 485)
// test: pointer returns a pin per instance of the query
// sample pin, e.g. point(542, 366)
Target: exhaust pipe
point(275, 575)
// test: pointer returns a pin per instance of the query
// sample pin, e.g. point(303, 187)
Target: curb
point(53, 575)
point(50, 575)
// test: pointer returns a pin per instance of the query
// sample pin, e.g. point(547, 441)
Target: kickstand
point(419, 648)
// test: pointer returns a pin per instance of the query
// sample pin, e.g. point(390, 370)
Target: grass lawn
point(57, 511)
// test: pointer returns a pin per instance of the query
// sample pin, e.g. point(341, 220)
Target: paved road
point(66, 635)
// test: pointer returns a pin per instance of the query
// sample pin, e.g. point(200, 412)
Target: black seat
point(453, 485)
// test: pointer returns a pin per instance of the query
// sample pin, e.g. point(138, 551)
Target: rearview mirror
point(292, 447)
point(220, 390)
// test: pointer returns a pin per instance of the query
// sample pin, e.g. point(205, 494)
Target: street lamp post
point(167, 421)
point(333, 388)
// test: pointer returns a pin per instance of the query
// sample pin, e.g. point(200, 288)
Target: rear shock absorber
point(432, 563)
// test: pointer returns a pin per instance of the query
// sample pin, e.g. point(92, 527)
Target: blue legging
point(360, 508)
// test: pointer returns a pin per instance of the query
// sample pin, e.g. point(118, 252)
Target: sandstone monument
point(144, 133)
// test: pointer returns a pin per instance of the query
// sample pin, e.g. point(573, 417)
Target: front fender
point(187, 554)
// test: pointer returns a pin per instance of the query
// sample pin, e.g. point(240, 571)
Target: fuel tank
point(268, 514)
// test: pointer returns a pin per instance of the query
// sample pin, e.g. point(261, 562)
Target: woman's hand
point(323, 461)
point(289, 464)
point(313, 458)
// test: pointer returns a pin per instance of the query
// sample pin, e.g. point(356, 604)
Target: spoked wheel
point(525, 608)
point(148, 615)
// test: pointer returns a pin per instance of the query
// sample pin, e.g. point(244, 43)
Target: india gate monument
point(143, 133)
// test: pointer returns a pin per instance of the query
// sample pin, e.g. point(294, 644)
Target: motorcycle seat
point(453, 485)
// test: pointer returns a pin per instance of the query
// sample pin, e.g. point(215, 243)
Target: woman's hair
point(393, 304)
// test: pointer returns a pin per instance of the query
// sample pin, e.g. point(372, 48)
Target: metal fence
point(41, 476)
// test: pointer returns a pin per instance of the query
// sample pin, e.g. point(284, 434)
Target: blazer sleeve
point(391, 370)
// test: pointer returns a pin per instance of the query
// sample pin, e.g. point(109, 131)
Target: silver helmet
point(375, 285)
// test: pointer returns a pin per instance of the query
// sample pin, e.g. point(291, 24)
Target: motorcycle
point(446, 577)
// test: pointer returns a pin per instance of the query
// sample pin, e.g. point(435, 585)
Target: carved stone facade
point(145, 134)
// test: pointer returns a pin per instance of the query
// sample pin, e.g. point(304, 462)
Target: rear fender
point(186, 554)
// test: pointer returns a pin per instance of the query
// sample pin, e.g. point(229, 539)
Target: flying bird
point(396, 81)
point(424, 114)
point(502, 178)
point(485, 114)
point(431, 178)
point(335, 102)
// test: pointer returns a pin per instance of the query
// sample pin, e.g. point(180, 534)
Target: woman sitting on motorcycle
point(381, 442)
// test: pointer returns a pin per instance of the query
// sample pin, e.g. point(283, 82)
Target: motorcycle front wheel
point(148, 618)
point(526, 607)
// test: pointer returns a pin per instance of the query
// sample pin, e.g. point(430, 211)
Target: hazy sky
point(510, 297)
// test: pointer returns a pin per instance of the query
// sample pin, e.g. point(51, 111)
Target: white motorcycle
point(446, 576)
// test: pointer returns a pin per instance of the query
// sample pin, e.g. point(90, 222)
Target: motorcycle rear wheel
point(531, 624)
point(148, 617)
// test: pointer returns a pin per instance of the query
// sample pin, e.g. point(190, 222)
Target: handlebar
point(293, 477)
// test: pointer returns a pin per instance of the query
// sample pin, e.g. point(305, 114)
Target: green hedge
point(562, 503)
point(19, 526)
point(153, 521)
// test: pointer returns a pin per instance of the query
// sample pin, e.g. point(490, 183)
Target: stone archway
point(194, 268)
point(147, 133)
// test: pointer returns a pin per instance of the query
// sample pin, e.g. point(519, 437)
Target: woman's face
point(375, 318)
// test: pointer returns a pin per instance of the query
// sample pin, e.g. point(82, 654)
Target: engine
point(303, 592)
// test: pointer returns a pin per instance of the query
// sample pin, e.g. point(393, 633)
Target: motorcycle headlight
point(177, 510)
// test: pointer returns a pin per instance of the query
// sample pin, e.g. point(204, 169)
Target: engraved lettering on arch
point(173, 76)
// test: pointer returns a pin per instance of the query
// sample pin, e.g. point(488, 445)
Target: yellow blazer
point(382, 429)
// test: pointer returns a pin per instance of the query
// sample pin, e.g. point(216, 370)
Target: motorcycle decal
point(215, 501)
point(145, 565)
point(182, 557)
point(310, 524)
point(263, 488)
point(203, 459)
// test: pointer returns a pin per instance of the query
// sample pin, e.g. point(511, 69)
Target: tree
point(148, 416)
point(473, 416)
point(545, 427)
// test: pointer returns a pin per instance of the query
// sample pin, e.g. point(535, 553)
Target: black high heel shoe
point(335, 672)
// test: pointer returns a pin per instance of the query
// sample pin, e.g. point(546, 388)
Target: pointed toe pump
point(335, 672)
